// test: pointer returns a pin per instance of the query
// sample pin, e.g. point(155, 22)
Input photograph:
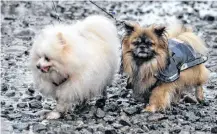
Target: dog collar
point(61, 82)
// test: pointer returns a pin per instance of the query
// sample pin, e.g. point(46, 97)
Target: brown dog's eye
point(136, 42)
point(46, 58)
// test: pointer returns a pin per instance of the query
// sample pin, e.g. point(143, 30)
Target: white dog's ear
point(61, 38)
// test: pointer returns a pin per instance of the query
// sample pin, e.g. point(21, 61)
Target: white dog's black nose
point(38, 66)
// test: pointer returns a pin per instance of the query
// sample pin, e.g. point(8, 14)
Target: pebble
point(156, 117)
point(22, 105)
point(25, 32)
point(9, 18)
point(190, 116)
point(111, 131)
point(131, 110)
point(35, 104)
point(124, 122)
point(39, 127)
point(112, 107)
point(10, 94)
point(4, 87)
point(109, 118)
point(21, 126)
point(14, 116)
point(117, 125)
point(210, 87)
point(100, 113)
point(38, 97)
point(31, 90)
point(209, 17)
point(214, 130)
point(100, 103)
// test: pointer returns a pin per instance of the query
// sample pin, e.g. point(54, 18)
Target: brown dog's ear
point(129, 27)
point(159, 31)
point(61, 38)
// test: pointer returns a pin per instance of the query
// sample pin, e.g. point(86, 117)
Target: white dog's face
point(44, 64)
point(49, 57)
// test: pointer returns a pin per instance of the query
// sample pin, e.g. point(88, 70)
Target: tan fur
point(162, 95)
point(186, 34)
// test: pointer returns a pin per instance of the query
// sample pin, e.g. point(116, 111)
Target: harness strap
point(193, 63)
point(61, 82)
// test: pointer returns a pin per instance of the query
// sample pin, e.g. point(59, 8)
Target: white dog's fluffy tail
point(102, 27)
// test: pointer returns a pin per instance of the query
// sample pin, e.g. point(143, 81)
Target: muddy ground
point(21, 104)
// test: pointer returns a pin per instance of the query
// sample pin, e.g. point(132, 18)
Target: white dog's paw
point(53, 115)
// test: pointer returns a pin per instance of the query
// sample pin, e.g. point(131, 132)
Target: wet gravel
point(22, 105)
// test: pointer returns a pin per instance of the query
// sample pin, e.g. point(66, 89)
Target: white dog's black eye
point(46, 58)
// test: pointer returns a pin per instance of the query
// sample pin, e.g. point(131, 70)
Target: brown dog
point(146, 55)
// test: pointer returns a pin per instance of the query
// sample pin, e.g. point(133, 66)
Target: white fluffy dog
point(75, 62)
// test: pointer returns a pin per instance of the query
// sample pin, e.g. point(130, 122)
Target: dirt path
point(20, 103)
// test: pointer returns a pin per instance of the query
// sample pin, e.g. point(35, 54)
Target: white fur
point(91, 64)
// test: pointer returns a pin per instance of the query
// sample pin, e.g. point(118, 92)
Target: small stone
point(38, 97)
point(39, 127)
point(112, 131)
point(123, 93)
point(139, 130)
point(214, 46)
point(205, 103)
point(10, 94)
point(111, 107)
point(100, 103)
point(190, 116)
point(21, 126)
point(26, 53)
point(35, 104)
point(125, 129)
point(9, 107)
point(153, 127)
point(54, 15)
point(131, 110)
point(211, 86)
point(177, 130)
point(26, 32)
point(109, 118)
point(157, 117)
point(117, 125)
point(22, 105)
point(4, 87)
point(3, 103)
point(31, 90)
point(100, 113)
point(9, 18)
point(198, 127)
point(209, 17)
point(14, 116)
point(145, 128)
point(200, 114)
point(124, 122)
point(79, 124)
point(214, 130)
point(189, 99)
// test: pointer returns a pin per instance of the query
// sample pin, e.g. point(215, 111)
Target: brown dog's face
point(144, 43)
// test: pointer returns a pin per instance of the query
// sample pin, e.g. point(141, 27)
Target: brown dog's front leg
point(159, 99)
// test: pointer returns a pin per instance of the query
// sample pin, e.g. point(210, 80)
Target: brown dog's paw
point(150, 108)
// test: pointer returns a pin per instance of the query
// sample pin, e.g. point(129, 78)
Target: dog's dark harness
point(61, 82)
point(182, 56)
